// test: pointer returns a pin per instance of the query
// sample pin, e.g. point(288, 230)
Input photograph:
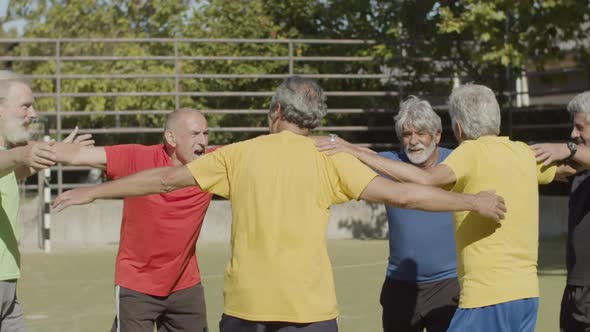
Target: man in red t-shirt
point(156, 276)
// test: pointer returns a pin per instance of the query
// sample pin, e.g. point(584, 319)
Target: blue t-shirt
point(421, 244)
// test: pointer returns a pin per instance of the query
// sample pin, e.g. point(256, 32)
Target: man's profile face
point(581, 131)
point(418, 144)
point(17, 113)
point(191, 137)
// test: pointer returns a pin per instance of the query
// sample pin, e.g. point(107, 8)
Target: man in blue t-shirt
point(421, 290)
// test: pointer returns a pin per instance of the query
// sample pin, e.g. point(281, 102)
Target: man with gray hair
point(575, 315)
point(19, 158)
point(279, 276)
point(497, 263)
point(421, 290)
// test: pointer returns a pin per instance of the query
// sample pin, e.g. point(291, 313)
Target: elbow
point(166, 184)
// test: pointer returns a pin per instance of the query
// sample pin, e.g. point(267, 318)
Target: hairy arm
point(426, 198)
point(151, 181)
point(80, 155)
point(438, 176)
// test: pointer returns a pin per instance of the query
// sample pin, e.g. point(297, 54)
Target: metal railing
point(57, 56)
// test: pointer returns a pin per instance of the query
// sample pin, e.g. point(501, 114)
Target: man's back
point(281, 189)
point(498, 262)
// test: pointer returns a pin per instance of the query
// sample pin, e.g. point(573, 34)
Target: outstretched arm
point(27, 159)
point(80, 155)
point(426, 198)
point(151, 181)
point(438, 176)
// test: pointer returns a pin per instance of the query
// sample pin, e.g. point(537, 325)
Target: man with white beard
point(19, 158)
point(421, 290)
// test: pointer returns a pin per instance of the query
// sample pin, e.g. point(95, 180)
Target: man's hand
point(78, 196)
point(550, 152)
point(38, 155)
point(84, 140)
point(332, 146)
point(490, 205)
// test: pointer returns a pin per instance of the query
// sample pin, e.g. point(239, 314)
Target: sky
point(19, 24)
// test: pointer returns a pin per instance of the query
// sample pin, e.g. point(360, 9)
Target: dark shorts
point(417, 306)
point(575, 309)
point(183, 310)
point(234, 324)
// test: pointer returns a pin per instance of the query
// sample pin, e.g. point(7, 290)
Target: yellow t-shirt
point(498, 263)
point(281, 189)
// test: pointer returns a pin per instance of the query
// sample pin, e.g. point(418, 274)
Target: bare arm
point(438, 176)
point(426, 198)
point(550, 152)
point(151, 181)
point(27, 159)
point(80, 155)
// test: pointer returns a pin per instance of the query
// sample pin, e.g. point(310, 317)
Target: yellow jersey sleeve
point(462, 162)
point(210, 171)
point(352, 177)
point(546, 174)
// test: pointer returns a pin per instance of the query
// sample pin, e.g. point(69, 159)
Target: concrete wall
point(98, 223)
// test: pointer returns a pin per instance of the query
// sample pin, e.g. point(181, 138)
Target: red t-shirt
point(158, 232)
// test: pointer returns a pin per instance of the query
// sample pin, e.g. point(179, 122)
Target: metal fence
point(385, 82)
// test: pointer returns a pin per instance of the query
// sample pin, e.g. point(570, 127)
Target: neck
point(287, 126)
point(171, 152)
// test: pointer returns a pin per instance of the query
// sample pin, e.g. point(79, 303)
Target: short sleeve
point(546, 173)
point(210, 171)
point(352, 177)
point(461, 161)
point(120, 160)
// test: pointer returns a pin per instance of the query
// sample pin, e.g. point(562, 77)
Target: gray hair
point(476, 107)
point(580, 104)
point(302, 102)
point(7, 78)
point(419, 114)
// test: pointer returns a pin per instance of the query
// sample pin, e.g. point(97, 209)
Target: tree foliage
point(419, 45)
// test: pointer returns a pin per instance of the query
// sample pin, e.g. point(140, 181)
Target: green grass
point(72, 290)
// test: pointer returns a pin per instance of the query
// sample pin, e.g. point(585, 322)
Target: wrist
point(572, 148)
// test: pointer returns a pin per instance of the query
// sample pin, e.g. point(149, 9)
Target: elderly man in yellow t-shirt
point(279, 277)
point(497, 263)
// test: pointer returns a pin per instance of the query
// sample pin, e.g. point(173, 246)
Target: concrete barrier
point(99, 223)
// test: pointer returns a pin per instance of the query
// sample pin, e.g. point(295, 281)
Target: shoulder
point(391, 155)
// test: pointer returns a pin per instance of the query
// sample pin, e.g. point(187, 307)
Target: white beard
point(420, 157)
point(14, 131)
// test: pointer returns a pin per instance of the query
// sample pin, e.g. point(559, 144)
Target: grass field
point(72, 290)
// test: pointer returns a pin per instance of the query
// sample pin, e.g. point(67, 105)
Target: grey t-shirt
point(578, 241)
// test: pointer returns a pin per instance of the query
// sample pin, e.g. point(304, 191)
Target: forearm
point(10, 160)
point(397, 170)
point(151, 181)
point(80, 155)
point(427, 198)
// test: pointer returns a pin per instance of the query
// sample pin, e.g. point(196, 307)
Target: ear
point(169, 136)
point(437, 137)
point(458, 130)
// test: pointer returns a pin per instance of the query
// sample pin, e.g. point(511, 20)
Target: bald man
point(157, 279)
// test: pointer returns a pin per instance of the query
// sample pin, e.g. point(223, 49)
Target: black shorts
point(183, 310)
point(234, 324)
point(417, 306)
point(575, 309)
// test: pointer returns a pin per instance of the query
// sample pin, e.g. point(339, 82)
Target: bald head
point(186, 135)
point(174, 118)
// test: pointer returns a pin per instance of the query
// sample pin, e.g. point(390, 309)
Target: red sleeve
point(121, 160)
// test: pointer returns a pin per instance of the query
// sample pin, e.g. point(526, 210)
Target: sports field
point(72, 290)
